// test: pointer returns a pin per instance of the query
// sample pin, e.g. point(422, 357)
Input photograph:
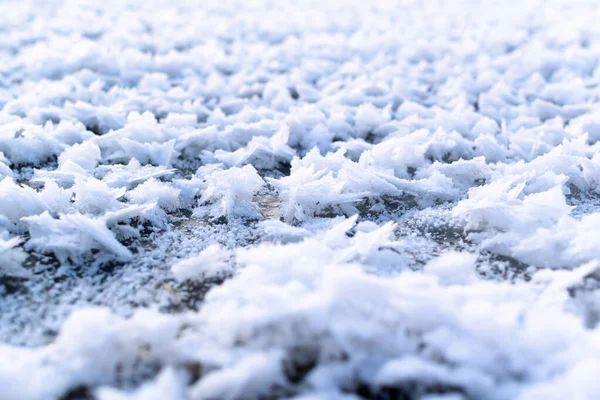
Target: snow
point(168, 385)
point(211, 263)
point(12, 257)
point(72, 236)
point(453, 268)
point(305, 200)
point(229, 193)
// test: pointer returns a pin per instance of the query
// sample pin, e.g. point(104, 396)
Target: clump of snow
point(73, 237)
point(453, 268)
point(153, 191)
point(254, 376)
point(229, 193)
point(168, 385)
point(86, 155)
point(132, 174)
point(212, 262)
point(12, 257)
point(93, 196)
point(261, 152)
point(17, 202)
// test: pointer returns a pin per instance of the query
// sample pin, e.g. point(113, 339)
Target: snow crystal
point(229, 193)
point(72, 236)
point(18, 202)
point(86, 155)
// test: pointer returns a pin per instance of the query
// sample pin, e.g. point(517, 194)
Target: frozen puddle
point(308, 200)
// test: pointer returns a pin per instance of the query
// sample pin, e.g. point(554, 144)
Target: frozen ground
point(309, 199)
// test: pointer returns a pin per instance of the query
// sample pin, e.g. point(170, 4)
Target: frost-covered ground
point(306, 199)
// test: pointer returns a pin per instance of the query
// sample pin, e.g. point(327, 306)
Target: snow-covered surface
point(310, 199)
